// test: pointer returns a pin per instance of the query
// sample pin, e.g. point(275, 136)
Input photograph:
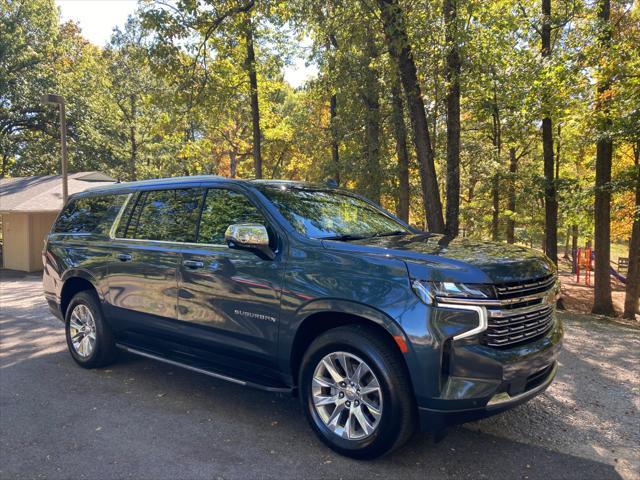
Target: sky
point(97, 18)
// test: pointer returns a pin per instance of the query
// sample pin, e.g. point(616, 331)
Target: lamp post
point(50, 99)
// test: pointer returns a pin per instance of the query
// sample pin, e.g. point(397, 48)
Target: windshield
point(330, 214)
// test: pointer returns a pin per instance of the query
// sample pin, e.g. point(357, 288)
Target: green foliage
point(170, 96)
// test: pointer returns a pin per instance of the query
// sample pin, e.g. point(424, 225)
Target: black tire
point(399, 413)
point(104, 350)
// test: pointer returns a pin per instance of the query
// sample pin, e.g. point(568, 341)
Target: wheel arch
point(76, 281)
point(321, 316)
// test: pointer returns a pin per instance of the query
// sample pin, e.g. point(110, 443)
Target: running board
point(209, 373)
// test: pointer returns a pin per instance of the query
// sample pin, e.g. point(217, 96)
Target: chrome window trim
point(482, 318)
point(170, 242)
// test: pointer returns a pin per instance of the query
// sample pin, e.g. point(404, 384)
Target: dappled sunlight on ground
point(17, 307)
point(593, 407)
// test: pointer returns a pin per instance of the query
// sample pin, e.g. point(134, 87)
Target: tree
point(29, 35)
point(452, 69)
point(371, 99)
point(207, 26)
point(136, 93)
point(550, 201)
point(400, 135)
point(511, 195)
point(253, 88)
point(400, 48)
point(602, 302)
point(632, 289)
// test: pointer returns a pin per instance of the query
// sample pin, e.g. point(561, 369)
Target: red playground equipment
point(583, 259)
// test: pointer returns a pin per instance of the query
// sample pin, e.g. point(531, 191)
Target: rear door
point(231, 297)
point(146, 253)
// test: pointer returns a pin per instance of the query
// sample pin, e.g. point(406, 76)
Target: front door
point(231, 297)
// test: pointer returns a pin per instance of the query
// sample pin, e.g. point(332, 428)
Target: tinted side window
point(169, 215)
point(223, 208)
point(90, 214)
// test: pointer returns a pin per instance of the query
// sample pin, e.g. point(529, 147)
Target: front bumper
point(477, 381)
point(432, 420)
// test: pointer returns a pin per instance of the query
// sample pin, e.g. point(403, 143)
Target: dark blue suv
point(291, 287)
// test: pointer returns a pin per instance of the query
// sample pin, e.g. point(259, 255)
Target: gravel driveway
point(143, 419)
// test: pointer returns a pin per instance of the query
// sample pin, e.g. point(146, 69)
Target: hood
point(439, 258)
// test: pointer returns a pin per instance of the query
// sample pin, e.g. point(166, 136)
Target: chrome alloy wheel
point(347, 395)
point(82, 329)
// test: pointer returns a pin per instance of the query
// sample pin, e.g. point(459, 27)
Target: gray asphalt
point(143, 419)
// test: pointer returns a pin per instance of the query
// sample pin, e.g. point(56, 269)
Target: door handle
point(193, 264)
point(123, 257)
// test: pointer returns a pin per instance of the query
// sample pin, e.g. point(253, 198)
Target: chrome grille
point(523, 312)
point(511, 290)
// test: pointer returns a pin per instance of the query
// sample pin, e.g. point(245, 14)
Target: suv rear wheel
point(89, 338)
point(356, 392)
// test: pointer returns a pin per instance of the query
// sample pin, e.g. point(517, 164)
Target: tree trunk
point(133, 144)
point(511, 195)
point(400, 134)
point(371, 99)
point(495, 211)
point(495, 182)
point(550, 200)
point(567, 243)
point(558, 146)
point(632, 289)
point(574, 243)
point(335, 152)
point(5, 162)
point(602, 303)
point(233, 163)
point(452, 71)
point(332, 42)
point(255, 107)
point(400, 48)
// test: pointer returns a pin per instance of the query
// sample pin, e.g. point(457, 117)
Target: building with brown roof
point(28, 208)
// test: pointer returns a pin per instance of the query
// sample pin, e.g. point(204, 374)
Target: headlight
point(462, 290)
point(427, 291)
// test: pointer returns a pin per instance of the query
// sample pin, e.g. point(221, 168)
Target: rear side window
point(223, 208)
point(90, 214)
point(167, 215)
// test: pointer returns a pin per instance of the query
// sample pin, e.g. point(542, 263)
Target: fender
point(337, 305)
point(350, 307)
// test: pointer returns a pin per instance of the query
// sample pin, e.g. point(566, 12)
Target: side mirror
point(249, 236)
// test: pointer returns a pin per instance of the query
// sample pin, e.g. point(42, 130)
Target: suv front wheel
point(356, 392)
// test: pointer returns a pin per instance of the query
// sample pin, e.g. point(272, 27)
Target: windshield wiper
point(346, 237)
point(349, 236)
point(392, 233)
